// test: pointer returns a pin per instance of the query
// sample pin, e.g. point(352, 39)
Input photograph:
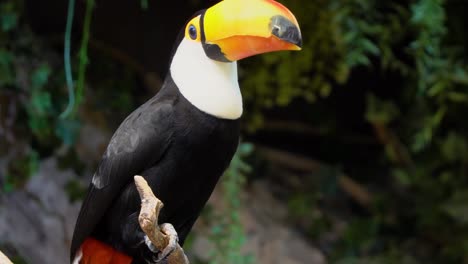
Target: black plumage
point(181, 152)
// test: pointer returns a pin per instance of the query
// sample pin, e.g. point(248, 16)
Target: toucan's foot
point(173, 241)
point(162, 240)
point(150, 245)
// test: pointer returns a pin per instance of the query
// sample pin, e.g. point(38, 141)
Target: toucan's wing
point(139, 143)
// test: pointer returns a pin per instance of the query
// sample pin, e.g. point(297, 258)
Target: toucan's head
point(235, 29)
point(204, 65)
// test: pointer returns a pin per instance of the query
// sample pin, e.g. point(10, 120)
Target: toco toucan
point(183, 138)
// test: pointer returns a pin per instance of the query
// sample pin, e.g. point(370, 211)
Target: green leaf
point(8, 15)
point(370, 47)
point(402, 177)
point(67, 130)
point(245, 149)
point(8, 187)
point(40, 76)
point(41, 103)
point(457, 206)
point(457, 97)
point(144, 4)
point(380, 111)
point(8, 21)
point(455, 147)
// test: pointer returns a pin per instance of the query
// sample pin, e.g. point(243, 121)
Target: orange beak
point(243, 28)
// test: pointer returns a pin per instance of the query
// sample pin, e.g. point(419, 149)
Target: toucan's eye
point(192, 32)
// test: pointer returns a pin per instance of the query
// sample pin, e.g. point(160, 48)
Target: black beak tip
point(298, 41)
point(285, 30)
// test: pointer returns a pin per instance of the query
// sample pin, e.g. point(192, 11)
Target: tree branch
point(355, 190)
point(148, 218)
point(4, 259)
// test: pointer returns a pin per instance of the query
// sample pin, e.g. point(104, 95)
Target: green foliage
point(439, 74)
point(83, 53)
point(67, 60)
point(73, 103)
point(144, 4)
point(429, 17)
point(276, 79)
point(75, 190)
point(39, 106)
point(380, 111)
point(338, 36)
point(428, 187)
point(6, 72)
point(419, 213)
point(227, 233)
point(31, 89)
point(8, 16)
point(20, 170)
point(370, 29)
point(354, 18)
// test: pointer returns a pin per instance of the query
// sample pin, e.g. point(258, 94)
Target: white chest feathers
point(209, 85)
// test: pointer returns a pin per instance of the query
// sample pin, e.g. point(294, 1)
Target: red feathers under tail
point(96, 252)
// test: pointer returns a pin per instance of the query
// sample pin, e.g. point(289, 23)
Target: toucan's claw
point(163, 240)
point(173, 241)
point(150, 245)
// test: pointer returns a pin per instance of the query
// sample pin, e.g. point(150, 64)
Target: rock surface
point(269, 238)
point(38, 222)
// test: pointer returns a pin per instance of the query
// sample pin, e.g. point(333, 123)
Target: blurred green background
point(361, 136)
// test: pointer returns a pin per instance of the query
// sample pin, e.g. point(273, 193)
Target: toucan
point(182, 139)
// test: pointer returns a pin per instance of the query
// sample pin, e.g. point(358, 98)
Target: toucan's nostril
point(276, 30)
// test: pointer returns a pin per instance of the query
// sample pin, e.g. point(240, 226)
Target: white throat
point(209, 85)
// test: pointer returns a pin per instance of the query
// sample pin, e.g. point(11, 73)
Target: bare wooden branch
point(152, 80)
point(356, 191)
point(300, 128)
point(148, 219)
point(401, 155)
point(4, 259)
